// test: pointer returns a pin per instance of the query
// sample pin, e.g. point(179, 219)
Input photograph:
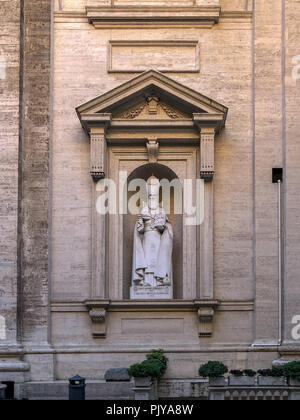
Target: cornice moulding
point(154, 304)
point(14, 366)
point(233, 14)
point(105, 17)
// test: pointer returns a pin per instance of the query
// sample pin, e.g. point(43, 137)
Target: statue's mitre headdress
point(152, 180)
point(153, 183)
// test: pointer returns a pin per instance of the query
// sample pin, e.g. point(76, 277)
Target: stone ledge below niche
point(98, 309)
point(130, 304)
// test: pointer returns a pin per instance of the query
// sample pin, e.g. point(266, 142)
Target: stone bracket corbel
point(98, 315)
point(205, 316)
point(96, 127)
point(208, 125)
point(153, 150)
point(98, 154)
point(206, 311)
point(207, 153)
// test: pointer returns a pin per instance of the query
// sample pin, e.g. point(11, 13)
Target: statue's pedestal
point(149, 293)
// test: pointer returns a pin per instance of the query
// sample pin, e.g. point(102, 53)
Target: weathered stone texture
point(241, 66)
point(34, 169)
point(234, 4)
point(9, 146)
point(292, 155)
point(118, 374)
point(267, 155)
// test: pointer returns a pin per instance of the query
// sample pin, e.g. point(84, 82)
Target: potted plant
point(144, 372)
point(214, 371)
point(152, 368)
point(242, 377)
point(292, 371)
point(271, 377)
point(158, 354)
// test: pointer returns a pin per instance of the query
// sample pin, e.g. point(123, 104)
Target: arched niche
point(161, 172)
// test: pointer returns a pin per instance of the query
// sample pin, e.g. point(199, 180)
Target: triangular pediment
point(151, 108)
point(149, 96)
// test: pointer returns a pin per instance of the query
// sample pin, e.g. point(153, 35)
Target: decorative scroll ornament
point(171, 111)
point(133, 113)
point(152, 107)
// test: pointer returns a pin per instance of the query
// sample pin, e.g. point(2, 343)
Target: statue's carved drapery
point(152, 269)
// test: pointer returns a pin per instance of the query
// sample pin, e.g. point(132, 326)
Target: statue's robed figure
point(152, 247)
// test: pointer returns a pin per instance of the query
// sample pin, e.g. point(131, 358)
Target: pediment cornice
point(154, 98)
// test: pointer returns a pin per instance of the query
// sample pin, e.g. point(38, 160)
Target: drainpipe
point(277, 177)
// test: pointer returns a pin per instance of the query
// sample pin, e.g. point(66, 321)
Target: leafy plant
point(155, 365)
point(291, 369)
point(249, 372)
point(212, 369)
point(275, 372)
point(153, 368)
point(236, 372)
point(158, 354)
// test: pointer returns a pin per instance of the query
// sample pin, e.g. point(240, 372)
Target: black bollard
point(77, 388)
point(2, 391)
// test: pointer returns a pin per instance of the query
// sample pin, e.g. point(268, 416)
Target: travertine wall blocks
point(49, 250)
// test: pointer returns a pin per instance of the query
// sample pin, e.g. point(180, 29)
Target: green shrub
point(155, 365)
point(153, 368)
point(249, 372)
point(236, 372)
point(212, 369)
point(291, 369)
point(136, 370)
point(158, 354)
point(275, 372)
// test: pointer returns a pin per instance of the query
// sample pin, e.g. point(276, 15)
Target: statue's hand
point(160, 228)
point(160, 223)
point(161, 220)
point(140, 225)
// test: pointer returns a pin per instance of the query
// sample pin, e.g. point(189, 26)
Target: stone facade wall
point(34, 170)
point(291, 146)
point(25, 133)
point(267, 155)
point(34, 184)
point(225, 75)
point(46, 190)
point(9, 147)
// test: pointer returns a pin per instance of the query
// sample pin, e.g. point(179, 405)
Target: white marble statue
point(152, 247)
